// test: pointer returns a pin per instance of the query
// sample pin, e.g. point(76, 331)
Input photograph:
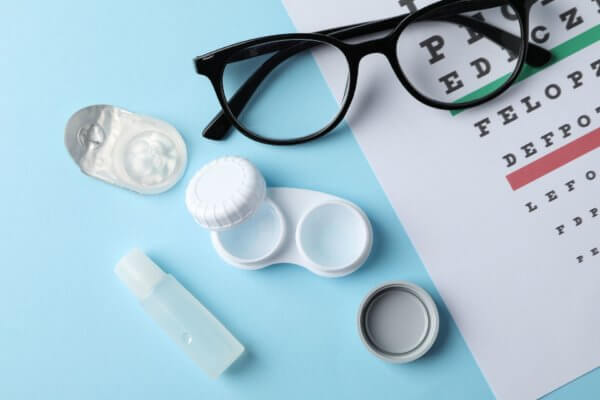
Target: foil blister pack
point(133, 151)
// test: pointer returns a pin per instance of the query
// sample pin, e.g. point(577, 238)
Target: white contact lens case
point(253, 227)
point(133, 151)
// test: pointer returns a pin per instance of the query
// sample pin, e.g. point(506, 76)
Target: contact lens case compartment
point(254, 227)
point(327, 235)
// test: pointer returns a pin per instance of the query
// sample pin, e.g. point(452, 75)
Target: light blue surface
point(70, 330)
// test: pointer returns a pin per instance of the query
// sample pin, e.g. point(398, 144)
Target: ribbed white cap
point(139, 273)
point(225, 192)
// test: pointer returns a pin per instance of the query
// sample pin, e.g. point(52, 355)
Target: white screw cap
point(225, 192)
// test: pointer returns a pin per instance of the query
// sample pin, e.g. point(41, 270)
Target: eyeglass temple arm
point(218, 128)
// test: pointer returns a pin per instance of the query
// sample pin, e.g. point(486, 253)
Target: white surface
point(225, 192)
point(187, 322)
point(345, 250)
point(526, 308)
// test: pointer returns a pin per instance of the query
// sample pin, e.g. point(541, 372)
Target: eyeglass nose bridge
point(383, 45)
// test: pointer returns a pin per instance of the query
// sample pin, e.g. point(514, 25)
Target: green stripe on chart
point(559, 53)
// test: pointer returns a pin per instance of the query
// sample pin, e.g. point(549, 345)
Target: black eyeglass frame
point(213, 64)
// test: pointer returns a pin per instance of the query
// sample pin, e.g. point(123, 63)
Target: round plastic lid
point(225, 193)
point(398, 322)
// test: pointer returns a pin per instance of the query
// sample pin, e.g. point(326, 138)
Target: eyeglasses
point(450, 55)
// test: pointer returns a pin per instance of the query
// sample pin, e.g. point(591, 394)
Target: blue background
point(70, 330)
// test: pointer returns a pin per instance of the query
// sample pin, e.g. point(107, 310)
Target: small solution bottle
point(187, 322)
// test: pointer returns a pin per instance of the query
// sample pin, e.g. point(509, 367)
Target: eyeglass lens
point(449, 58)
point(292, 101)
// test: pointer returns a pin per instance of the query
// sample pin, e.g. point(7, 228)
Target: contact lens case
point(253, 226)
point(133, 151)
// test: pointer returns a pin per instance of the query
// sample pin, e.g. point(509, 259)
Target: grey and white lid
point(398, 322)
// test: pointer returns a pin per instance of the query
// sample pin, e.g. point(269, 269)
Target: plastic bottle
point(187, 322)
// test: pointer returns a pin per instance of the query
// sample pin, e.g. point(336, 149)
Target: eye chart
point(502, 200)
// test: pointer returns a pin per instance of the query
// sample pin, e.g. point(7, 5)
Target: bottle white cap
point(225, 192)
point(139, 273)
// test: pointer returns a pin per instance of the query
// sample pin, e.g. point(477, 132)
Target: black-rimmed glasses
point(453, 54)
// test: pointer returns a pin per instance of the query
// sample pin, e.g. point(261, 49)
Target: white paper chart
point(502, 200)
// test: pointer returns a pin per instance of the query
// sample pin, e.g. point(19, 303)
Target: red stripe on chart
point(554, 160)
